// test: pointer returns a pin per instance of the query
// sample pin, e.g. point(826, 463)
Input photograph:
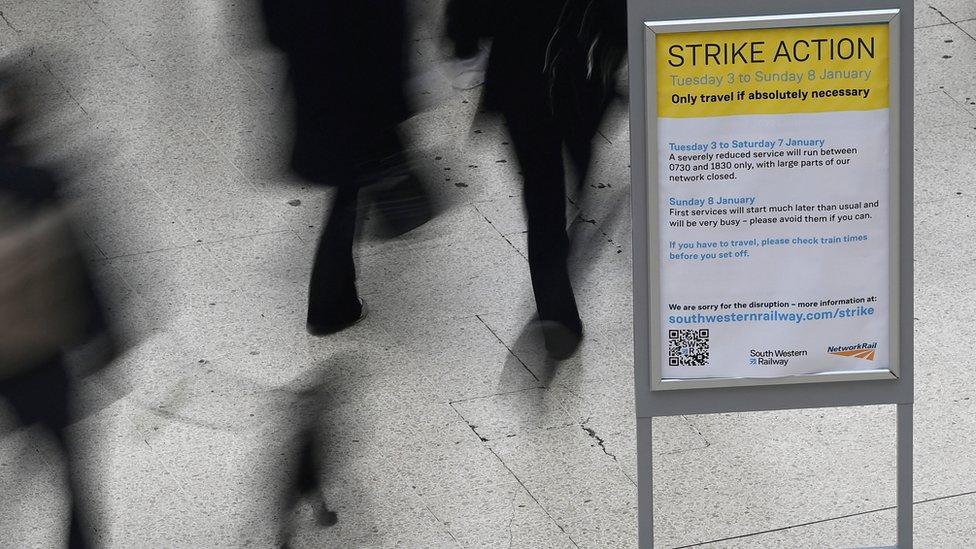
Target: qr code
point(688, 347)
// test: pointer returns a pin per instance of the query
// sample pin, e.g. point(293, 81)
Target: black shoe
point(320, 326)
point(327, 518)
point(562, 340)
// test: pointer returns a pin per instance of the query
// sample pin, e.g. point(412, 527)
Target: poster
point(774, 180)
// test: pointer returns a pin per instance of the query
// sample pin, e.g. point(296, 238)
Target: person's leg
point(76, 537)
point(464, 24)
point(40, 396)
point(580, 151)
point(55, 418)
point(333, 302)
point(539, 149)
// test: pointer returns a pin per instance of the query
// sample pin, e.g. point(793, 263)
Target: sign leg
point(645, 485)
point(904, 476)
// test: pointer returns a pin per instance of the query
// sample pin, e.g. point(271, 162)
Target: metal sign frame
point(889, 17)
point(794, 392)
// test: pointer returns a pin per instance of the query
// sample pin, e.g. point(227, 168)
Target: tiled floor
point(447, 427)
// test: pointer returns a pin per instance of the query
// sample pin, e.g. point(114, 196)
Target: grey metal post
point(645, 484)
point(905, 480)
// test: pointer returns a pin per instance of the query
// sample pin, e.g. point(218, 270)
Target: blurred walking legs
point(538, 145)
point(304, 477)
point(333, 302)
point(40, 396)
point(347, 70)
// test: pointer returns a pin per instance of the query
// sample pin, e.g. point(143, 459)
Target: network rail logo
point(864, 351)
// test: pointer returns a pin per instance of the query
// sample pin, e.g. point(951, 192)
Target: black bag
point(46, 305)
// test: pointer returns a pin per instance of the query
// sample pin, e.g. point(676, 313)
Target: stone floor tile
point(969, 26)
point(116, 222)
point(927, 16)
point(601, 530)
point(498, 516)
point(954, 10)
point(938, 173)
point(945, 53)
point(937, 109)
point(513, 413)
point(475, 288)
point(940, 523)
point(506, 215)
point(584, 492)
point(415, 531)
point(31, 475)
point(943, 462)
point(942, 234)
point(535, 456)
point(805, 466)
point(456, 366)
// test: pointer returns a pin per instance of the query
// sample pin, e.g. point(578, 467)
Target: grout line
point(963, 105)
point(951, 22)
point(468, 423)
point(505, 238)
point(531, 495)
point(9, 24)
point(934, 25)
point(64, 87)
point(510, 351)
point(698, 432)
point(444, 524)
point(513, 245)
point(104, 256)
point(598, 225)
point(822, 521)
point(112, 32)
point(506, 393)
point(937, 10)
point(194, 245)
point(964, 30)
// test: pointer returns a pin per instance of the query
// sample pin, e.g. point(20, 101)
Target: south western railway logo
point(864, 351)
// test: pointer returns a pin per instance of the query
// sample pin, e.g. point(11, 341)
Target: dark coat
point(347, 69)
point(515, 79)
point(27, 185)
point(32, 190)
point(548, 57)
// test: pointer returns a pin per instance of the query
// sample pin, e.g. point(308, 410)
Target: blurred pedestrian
point(347, 69)
point(551, 74)
point(467, 25)
point(48, 304)
point(303, 479)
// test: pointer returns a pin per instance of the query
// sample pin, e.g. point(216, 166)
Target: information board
point(775, 208)
point(772, 164)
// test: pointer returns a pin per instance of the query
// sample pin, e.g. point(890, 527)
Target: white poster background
point(793, 273)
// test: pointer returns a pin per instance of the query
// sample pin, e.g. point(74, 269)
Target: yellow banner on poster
point(773, 71)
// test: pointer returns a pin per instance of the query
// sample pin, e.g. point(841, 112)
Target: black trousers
point(40, 396)
point(332, 294)
point(538, 142)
